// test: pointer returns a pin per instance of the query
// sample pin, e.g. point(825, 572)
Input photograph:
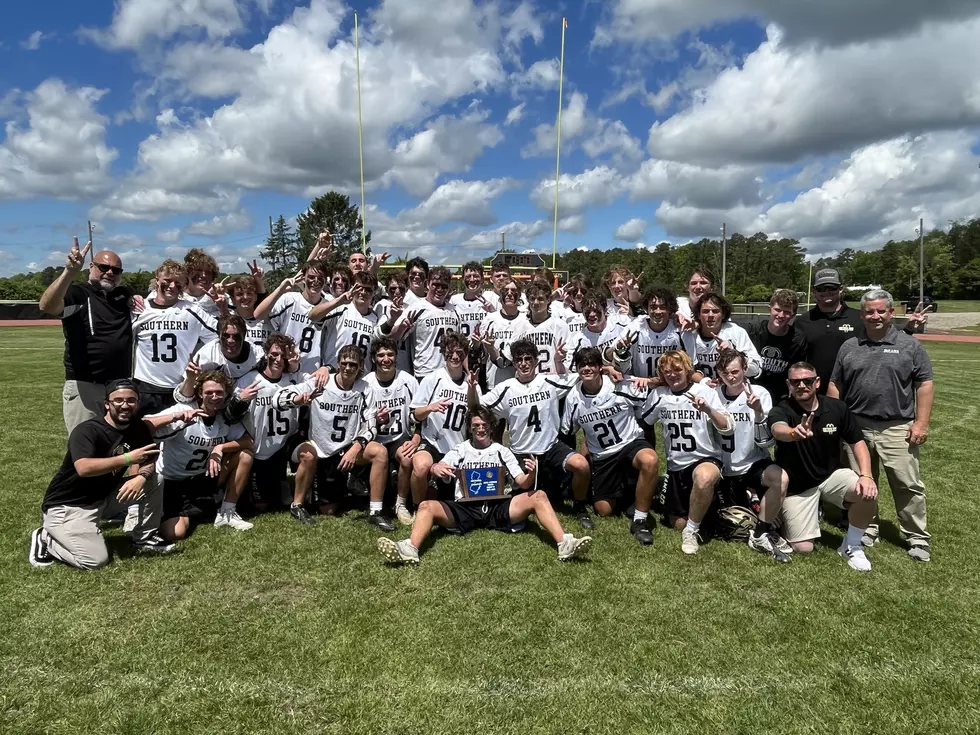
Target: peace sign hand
point(627, 340)
point(917, 319)
point(247, 394)
point(804, 430)
point(698, 402)
point(258, 275)
point(76, 257)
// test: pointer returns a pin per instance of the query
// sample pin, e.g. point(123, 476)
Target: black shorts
point(394, 447)
point(679, 485)
point(552, 461)
point(738, 489)
point(154, 399)
point(493, 515)
point(614, 477)
point(445, 489)
point(265, 482)
point(330, 482)
point(193, 497)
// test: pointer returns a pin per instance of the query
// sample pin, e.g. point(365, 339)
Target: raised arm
point(53, 299)
point(263, 310)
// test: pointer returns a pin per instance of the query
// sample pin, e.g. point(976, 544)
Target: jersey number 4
point(534, 419)
point(164, 347)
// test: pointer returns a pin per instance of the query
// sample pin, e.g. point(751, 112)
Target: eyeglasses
point(436, 286)
point(826, 289)
point(113, 269)
point(802, 381)
point(456, 351)
point(520, 359)
point(315, 279)
point(124, 401)
point(233, 337)
point(479, 427)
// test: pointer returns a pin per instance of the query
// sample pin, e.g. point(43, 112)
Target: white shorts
point(800, 521)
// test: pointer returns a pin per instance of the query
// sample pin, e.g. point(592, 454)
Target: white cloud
point(806, 101)
point(540, 75)
point(169, 235)
point(152, 204)
point(514, 114)
point(33, 41)
point(685, 184)
point(221, 224)
point(573, 121)
point(516, 234)
point(596, 187)
point(694, 222)
point(600, 138)
point(62, 151)
point(575, 223)
point(631, 230)
point(460, 201)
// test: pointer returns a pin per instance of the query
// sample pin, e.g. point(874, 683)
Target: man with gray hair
point(885, 377)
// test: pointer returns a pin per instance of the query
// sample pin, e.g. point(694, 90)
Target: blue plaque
point(482, 483)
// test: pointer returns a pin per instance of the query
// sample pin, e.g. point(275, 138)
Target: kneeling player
point(690, 414)
point(201, 453)
point(342, 430)
point(748, 470)
point(483, 506)
point(619, 455)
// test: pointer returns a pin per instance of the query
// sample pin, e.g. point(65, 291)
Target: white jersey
point(411, 299)
point(649, 346)
point(465, 456)
point(166, 337)
point(443, 431)
point(492, 298)
point(383, 310)
point(546, 336)
point(347, 326)
point(604, 340)
point(426, 335)
point(575, 320)
point(396, 395)
point(504, 328)
point(608, 418)
point(203, 302)
point(689, 435)
point(531, 410)
point(471, 312)
point(269, 421)
point(258, 330)
point(186, 446)
point(338, 417)
point(751, 440)
point(210, 357)
point(291, 316)
point(684, 307)
point(704, 352)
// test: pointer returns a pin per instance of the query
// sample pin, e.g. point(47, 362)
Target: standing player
point(498, 329)
point(201, 453)
point(440, 408)
point(471, 305)
point(427, 324)
point(697, 286)
point(166, 333)
point(498, 512)
point(573, 298)
point(348, 319)
point(690, 414)
point(549, 333)
point(779, 342)
point(716, 331)
point(650, 336)
point(342, 432)
point(622, 287)
point(341, 279)
point(288, 309)
point(394, 391)
point(201, 270)
point(499, 275)
point(245, 292)
point(749, 473)
point(601, 330)
point(620, 458)
point(529, 402)
point(389, 310)
point(418, 279)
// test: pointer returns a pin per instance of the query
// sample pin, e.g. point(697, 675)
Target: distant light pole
point(922, 250)
point(724, 256)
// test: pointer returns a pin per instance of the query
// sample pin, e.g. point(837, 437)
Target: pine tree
point(280, 252)
point(331, 212)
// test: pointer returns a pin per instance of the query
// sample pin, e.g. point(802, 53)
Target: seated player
point(749, 473)
point(201, 453)
point(342, 432)
point(348, 319)
point(394, 392)
point(690, 414)
point(529, 403)
point(715, 332)
point(648, 337)
point(620, 458)
point(111, 456)
point(439, 407)
point(483, 505)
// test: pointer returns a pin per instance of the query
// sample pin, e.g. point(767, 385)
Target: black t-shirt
point(778, 353)
point(810, 462)
point(824, 334)
point(98, 333)
point(93, 439)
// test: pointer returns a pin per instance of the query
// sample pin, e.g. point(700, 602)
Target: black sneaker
point(357, 487)
point(38, 554)
point(300, 514)
point(156, 544)
point(382, 523)
point(641, 532)
point(583, 517)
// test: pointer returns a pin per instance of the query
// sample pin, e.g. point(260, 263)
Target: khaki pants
point(81, 401)
point(74, 537)
point(888, 446)
point(799, 516)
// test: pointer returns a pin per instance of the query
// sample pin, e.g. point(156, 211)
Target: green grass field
point(957, 307)
point(294, 630)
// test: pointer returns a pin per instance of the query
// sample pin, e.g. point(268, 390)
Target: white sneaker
point(233, 520)
point(856, 558)
point(398, 552)
point(570, 547)
point(689, 541)
point(403, 516)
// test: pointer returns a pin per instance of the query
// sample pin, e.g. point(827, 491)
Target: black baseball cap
point(827, 277)
point(121, 384)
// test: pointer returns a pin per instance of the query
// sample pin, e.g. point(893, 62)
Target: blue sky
point(180, 123)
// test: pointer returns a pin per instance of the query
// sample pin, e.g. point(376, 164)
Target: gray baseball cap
point(827, 277)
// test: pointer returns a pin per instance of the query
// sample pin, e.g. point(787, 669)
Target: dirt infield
point(961, 338)
point(30, 323)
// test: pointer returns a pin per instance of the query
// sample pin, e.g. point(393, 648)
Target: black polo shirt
point(810, 462)
point(98, 333)
point(93, 439)
point(778, 353)
point(825, 333)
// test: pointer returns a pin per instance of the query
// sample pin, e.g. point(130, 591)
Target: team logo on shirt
point(829, 429)
point(845, 328)
point(891, 352)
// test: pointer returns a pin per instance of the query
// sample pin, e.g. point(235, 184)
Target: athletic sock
point(639, 515)
point(854, 535)
point(761, 529)
point(400, 502)
point(565, 538)
point(226, 507)
point(375, 506)
point(693, 526)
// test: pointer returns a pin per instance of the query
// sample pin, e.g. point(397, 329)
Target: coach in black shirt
point(811, 431)
point(95, 317)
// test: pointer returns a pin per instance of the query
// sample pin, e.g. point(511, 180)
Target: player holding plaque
point(481, 501)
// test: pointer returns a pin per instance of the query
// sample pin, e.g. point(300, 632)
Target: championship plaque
point(482, 484)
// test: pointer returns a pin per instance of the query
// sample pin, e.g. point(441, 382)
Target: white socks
point(375, 506)
point(639, 515)
point(400, 502)
point(854, 535)
point(226, 507)
point(692, 526)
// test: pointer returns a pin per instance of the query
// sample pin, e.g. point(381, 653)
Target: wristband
point(361, 441)
point(129, 460)
point(868, 476)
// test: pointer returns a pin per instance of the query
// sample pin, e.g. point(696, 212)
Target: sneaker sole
point(408, 520)
point(35, 550)
point(584, 543)
point(389, 550)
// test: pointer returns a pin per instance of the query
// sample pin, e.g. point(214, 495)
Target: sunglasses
point(396, 287)
point(436, 286)
point(802, 381)
point(826, 289)
point(350, 365)
point(103, 269)
point(521, 359)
